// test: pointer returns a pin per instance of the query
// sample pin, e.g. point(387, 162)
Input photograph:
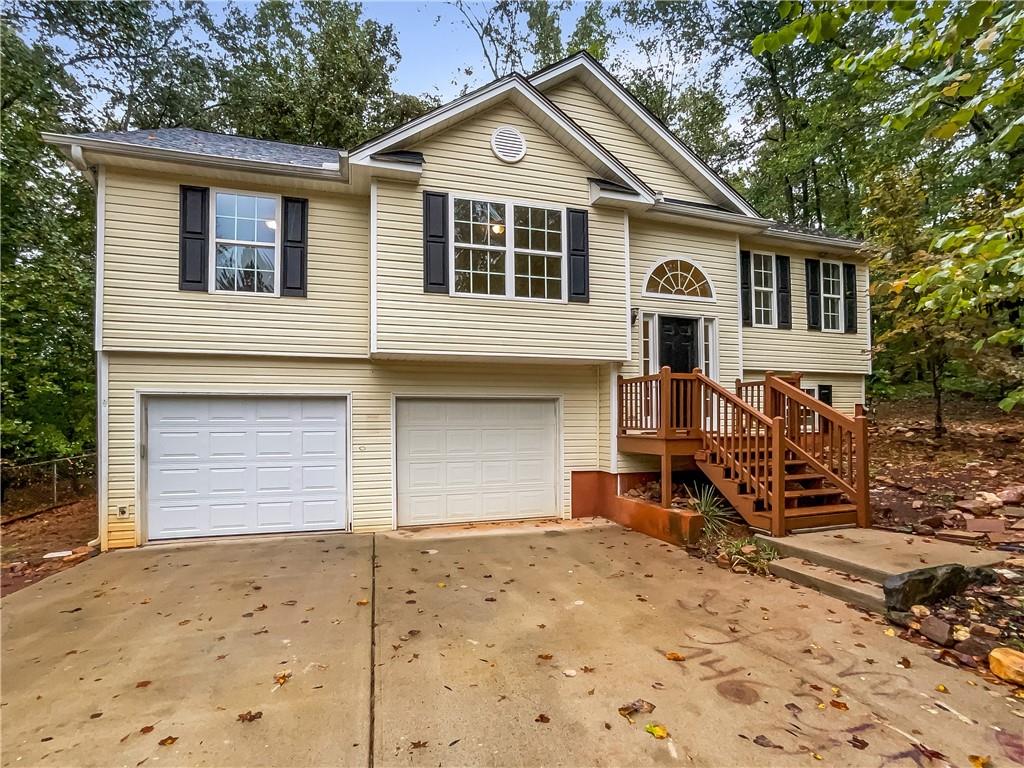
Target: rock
point(977, 646)
point(961, 537)
point(928, 585)
point(723, 560)
point(1014, 562)
point(1013, 577)
point(993, 501)
point(1018, 526)
point(903, 619)
point(920, 611)
point(83, 550)
point(953, 519)
point(1015, 512)
point(917, 504)
point(985, 630)
point(1014, 494)
point(960, 633)
point(986, 524)
point(933, 521)
point(974, 506)
point(748, 549)
point(1008, 664)
point(937, 630)
point(924, 530)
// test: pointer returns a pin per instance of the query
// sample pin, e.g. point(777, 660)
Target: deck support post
point(664, 401)
point(769, 401)
point(666, 478)
point(778, 478)
point(862, 481)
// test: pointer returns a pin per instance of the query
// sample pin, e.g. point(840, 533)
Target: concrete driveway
point(474, 638)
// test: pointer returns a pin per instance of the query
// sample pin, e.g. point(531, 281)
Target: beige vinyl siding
point(715, 253)
point(601, 122)
point(143, 308)
point(847, 389)
point(606, 379)
point(372, 385)
point(461, 161)
point(770, 349)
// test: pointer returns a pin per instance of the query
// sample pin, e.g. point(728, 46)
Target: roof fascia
point(68, 142)
point(561, 71)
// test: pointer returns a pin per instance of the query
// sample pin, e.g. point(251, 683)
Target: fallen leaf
point(903, 662)
point(607, 726)
point(282, 677)
point(858, 743)
point(290, 602)
point(764, 741)
point(364, 601)
point(657, 685)
point(419, 744)
point(545, 656)
point(977, 761)
point(249, 716)
point(842, 706)
point(184, 622)
point(490, 599)
point(95, 715)
point(890, 632)
point(657, 731)
point(542, 718)
point(587, 670)
point(441, 585)
point(931, 754)
point(673, 656)
point(261, 607)
point(143, 683)
point(146, 729)
point(635, 707)
point(453, 743)
point(794, 708)
point(222, 656)
point(941, 688)
point(168, 740)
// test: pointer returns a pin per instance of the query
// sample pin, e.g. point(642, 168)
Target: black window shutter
point(194, 237)
point(435, 242)
point(850, 297)
point(813, 268)
point(783, 292)
point(745, 299)
point(579, 255)
point(825, 393)
point(294, 245)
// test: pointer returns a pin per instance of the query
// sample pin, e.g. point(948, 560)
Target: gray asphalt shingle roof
point(223, 145)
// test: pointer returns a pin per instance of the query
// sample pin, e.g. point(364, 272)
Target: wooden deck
point(782, 458)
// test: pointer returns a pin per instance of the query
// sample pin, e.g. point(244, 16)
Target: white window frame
point(510, 249)
point(645, 293)
point(212, 257)
point(813, 392)
point(650, 324)
point(841, 297)
point(754, 290)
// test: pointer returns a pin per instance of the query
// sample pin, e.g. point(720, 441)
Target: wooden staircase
point(783, 459)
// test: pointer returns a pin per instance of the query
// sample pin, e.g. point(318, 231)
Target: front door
point(677, 343)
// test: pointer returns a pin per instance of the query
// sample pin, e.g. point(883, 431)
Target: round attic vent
point(508, 144)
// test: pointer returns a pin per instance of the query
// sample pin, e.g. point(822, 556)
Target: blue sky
point(436, 45)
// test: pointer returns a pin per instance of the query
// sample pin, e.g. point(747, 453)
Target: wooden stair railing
point(832, 443)
point(662, 404)
point(747, 443)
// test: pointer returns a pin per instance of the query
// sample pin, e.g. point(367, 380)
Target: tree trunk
point(936, 368)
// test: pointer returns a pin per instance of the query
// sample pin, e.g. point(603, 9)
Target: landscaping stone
point(961, 537)
point(986, 524)
point(1015, 512)
point(928, 585)
point(1008, 664)
point(924, 530)
point(937, 630)
point(920, 611)
point(974, 506)
point(1014, 494)
point(977, 646)
point(993, 501)
point(985, 630)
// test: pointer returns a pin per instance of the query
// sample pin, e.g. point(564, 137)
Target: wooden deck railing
point(831, 442)
point(662, 404)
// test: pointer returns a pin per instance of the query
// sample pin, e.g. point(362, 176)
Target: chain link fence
point(39, 485)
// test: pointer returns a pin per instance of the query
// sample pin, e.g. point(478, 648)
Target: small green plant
point(712, 509)
point(752, 553)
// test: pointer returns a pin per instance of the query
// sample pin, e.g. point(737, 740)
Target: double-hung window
point(831, 296)
point(488, 260)
point(762, 266)
point(245, 243)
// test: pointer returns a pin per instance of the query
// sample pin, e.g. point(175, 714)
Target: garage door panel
point(272, 469)
point(496, 460)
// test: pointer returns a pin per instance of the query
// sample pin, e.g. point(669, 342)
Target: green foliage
point(751, 553)
point(714, 511)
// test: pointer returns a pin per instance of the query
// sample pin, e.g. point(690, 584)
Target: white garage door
point(465, 460)
point(219, 466)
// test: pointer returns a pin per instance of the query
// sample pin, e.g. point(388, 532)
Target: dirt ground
point(27, 540)
point(982, 451)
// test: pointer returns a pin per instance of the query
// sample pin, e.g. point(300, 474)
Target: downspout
point(78, 160)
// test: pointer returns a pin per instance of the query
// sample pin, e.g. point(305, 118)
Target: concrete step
point(874, 555)
point(863, 594)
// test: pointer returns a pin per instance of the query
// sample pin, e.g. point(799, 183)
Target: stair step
point(801, 476)
point(849, 589)
point(805, 493)
point(824, 509)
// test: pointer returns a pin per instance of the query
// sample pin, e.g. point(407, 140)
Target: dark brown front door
point(677, 344)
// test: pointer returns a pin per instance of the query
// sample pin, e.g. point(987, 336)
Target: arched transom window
point(676, 277)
